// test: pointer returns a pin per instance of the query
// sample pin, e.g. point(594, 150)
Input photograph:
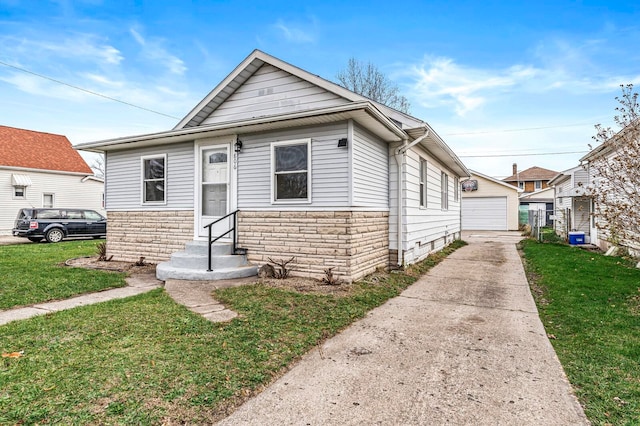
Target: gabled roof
point(494, 180)
point(540, 194)
point(251, 64)
point(37, 150)
point(532, 173)
point(564, 175)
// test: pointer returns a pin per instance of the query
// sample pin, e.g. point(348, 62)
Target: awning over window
point(20, 180)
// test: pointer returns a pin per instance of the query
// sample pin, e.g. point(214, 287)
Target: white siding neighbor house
point(573, 206)
point(489, 204)
point(314, 171)
point(43, 170)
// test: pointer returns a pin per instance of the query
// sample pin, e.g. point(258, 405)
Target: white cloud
point(153, 50)
point(297, 33)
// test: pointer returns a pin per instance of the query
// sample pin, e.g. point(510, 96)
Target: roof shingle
point(532, 173)
point(38, 150)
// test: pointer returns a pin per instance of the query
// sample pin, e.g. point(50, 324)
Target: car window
point(91, 215)
point(24, 214)
point(74, 214)
point(48, 214)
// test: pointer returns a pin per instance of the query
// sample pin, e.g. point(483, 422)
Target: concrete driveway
point(463, 345)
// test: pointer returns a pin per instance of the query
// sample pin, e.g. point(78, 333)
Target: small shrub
point(282, 272)
point(331, 279)
point(101, 248)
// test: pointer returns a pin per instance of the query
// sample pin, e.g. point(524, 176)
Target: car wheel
point(54, 235)
point(35, 239)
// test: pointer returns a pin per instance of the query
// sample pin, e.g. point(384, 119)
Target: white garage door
point(489, 213)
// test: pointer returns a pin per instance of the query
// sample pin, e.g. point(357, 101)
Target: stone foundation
point(354, 244)
point(152, 234)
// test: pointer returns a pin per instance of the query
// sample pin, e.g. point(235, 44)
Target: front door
point(214, 189)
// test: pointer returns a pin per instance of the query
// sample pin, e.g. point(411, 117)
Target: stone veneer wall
point(152, 234)
point(354, 244)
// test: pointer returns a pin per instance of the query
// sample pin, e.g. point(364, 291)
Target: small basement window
point(291, 171)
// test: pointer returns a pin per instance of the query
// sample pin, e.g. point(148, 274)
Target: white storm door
point(214, 189)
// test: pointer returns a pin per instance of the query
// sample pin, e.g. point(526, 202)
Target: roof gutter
point(401, 154)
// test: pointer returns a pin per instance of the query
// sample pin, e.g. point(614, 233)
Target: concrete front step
point(200, 247)
point(183, 259)
point(166, 271)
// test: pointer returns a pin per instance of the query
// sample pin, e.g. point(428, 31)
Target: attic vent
point(267, 91)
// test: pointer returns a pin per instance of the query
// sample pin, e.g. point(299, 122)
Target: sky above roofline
point(500, 82)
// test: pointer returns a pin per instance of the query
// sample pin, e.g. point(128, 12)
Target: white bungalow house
point(573, 206)
point(40, 169)
point(315, 171)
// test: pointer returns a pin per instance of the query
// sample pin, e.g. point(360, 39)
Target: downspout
point(400, 155)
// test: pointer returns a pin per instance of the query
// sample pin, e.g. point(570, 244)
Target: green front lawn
point(147, 360)
point(33, 273)
point(590, 306)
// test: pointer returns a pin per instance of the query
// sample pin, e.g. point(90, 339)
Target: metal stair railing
point(232, 230)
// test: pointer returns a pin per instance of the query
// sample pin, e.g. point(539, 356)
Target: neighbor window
point(521, 185)
point(47, 201)
point(19, 192)
point(154, 179)
point(456, 189)
point(291, 171)
point(444, 182)
point(538, 184)
point(423, 182)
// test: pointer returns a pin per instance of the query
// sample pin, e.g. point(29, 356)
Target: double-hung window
point(456, 189)
point(154, 179)
point(291, 171)
point(444, 198)
point(423, 182)
point(538, 184)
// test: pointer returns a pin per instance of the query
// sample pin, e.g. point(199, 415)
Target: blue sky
point(498, 80)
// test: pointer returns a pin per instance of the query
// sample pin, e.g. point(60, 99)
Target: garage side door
point(489, 213)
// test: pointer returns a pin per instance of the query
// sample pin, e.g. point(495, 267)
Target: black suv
point(57, 224)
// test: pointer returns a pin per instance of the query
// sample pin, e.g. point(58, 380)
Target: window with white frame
point(521, 185)
point(456, 189)
point(20, 192)
point(444, 197)
point(538, 184)
point(47, 201)
point(423, 182)
point(291, 171)
point(154, 179)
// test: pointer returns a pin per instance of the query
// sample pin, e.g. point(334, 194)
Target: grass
point(590, 306)
point(32, 273)
point(147, 360)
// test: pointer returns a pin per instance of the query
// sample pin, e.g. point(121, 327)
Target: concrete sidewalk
point(463, 345)
point(137, 284)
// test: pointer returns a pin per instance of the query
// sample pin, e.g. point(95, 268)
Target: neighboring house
point(541, 202)
point(316, 171)
point(489, 204)
point(43, 170)
point(532, 179)
point(573, 204)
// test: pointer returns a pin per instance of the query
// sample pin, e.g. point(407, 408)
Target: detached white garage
point(489, 204)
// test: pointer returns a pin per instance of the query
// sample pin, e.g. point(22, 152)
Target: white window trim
point(142, 180)
point(424, 178)
point(53, 199)
point(444, 191)
point(19, 197)
point(273, 171)
point(537, 184)
point(456, 189)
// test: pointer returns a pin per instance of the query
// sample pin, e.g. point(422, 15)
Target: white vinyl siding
point(69, 190)
point(370, 171)
point(124, 169)
point(272, 91)
point(425, 229)
point(485, 213)
point(329, 167)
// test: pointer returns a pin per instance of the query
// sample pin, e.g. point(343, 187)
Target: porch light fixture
point(238, 145)
point(342, 143)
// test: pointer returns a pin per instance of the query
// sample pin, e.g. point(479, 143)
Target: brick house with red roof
point(43, 170)
point(532, 179)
